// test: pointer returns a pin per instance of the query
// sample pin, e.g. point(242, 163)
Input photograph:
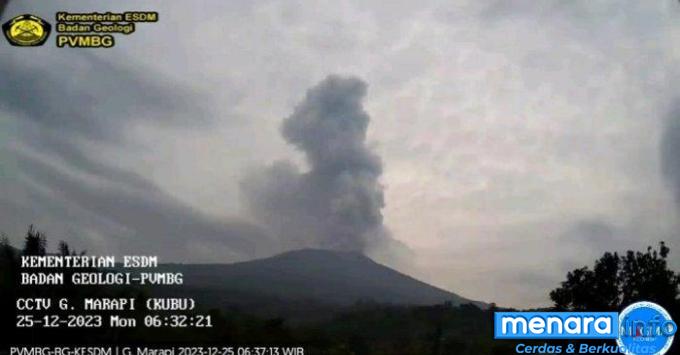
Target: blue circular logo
point(645, 328)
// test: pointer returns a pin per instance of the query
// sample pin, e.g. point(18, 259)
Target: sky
point(486, 147)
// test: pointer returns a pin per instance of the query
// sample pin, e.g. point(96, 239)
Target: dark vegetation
point(616, 281)
point(363, 327)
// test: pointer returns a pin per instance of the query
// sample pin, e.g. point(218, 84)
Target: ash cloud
point(337, 203)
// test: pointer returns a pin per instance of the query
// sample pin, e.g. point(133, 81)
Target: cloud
point(591, 235)
point(91, 98)
point(153, 220)
point(670, 152)
point(57, 116)
point(337, 203)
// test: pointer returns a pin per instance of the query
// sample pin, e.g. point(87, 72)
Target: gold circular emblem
point(26, 30)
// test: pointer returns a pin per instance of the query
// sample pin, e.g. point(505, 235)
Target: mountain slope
point(321, 276)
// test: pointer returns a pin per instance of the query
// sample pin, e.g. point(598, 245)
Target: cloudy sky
point(493, 146)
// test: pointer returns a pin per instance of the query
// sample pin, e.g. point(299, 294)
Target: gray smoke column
point(670, 152)
point(337, 203)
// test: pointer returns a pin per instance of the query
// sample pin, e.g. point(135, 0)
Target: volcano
point(310, 275)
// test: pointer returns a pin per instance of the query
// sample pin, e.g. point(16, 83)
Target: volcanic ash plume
point(337, 203)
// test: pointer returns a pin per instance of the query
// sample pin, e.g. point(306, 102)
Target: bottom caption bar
point(144, 350)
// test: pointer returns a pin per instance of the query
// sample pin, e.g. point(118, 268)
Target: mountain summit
point(324, 276)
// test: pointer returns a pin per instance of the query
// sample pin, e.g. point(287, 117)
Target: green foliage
point(64, 249)
point(617, 281)
point(35, 242)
